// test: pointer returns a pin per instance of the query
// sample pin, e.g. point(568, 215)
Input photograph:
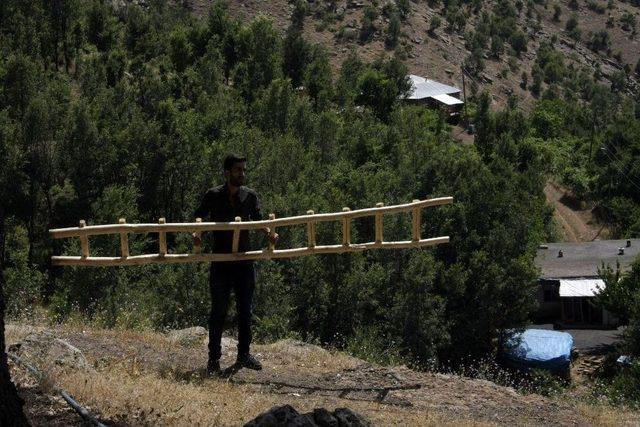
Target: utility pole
point(464, 94)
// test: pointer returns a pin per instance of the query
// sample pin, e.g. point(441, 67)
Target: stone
point(44, 347)
point(277, 416)
point(324, 418)
point(287, 416)
point(188, 336)
point(348, 418)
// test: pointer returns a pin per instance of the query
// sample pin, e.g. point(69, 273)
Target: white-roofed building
point(569, 280)
point(434, 94)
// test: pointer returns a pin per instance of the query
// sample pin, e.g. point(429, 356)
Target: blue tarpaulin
point(539, 348)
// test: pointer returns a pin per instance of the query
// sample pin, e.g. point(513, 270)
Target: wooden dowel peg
point(415, 220)
point(236, 236)
point(162, 239)
point(346, 229)
point(379, 223)
point(272, 232)
point(84, 240)
point(311, 231)
point(124, 241)
point(197, 248)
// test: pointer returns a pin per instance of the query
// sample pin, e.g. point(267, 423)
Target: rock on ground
point(287, 416)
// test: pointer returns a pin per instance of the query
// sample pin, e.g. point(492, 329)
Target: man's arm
point(201, 212)
point(256, 215)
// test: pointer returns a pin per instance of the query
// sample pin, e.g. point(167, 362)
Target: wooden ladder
point(123, 229)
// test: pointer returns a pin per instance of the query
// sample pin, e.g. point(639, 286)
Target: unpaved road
point(578, 225)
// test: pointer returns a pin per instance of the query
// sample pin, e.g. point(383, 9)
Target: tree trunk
point(11, 413)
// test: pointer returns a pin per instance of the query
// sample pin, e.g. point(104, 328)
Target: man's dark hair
point(232, 159)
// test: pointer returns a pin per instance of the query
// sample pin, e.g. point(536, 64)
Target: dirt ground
point(303, 375)
point(576, 220)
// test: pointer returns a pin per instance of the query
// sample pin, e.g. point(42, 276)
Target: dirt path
point(577, 222)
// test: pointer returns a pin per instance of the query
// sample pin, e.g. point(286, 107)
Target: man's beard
point(236, 182)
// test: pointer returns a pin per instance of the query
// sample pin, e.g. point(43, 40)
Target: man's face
point(236, 176)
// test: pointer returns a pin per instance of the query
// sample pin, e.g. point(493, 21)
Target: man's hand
point(273, 238)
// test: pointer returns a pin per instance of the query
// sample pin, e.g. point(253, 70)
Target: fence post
point(84, 240)
point(236, 237)
point(124, 241)
point(415, 219)
point(379, 224)
point(346, 229)
point(196, 248)
point(162, 239)
point(272, 232)
point(311, 231)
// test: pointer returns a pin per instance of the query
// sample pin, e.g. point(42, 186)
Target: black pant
point(224, 276)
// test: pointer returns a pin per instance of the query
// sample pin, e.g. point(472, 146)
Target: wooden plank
point(346, 229)
point(250, 255)
point(311, 231)
point(236, 236)
point(124, 241)
point(378, 220)
point(252, 225)
point(84, 240)
point(162, 239)
point(415, 222)
point(198, 248)
point(272, 232)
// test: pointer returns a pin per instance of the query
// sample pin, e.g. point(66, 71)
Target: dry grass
point(124, 389)
point(609, 416)
point(124, 394)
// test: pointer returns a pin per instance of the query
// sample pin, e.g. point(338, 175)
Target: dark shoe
point(249, 362)
point(213, 368)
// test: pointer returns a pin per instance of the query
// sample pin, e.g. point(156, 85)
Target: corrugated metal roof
point(583, 259)
point(422, 88)
point(581, 287)
point(447, 99)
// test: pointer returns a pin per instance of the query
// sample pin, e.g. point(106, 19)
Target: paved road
point(592, 341)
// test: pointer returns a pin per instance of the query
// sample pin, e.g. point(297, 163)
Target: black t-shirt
point(216, 206)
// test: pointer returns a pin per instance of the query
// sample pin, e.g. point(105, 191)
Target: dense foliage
point(621, 297)
point(127, 112)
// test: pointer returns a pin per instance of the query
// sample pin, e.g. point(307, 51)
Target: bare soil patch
point(576, 219)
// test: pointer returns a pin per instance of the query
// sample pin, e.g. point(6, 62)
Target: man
point(223, 204)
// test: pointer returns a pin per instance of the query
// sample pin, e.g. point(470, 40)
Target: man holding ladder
point(223, 204)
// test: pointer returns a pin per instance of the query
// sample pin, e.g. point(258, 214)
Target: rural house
point(435, 95)
point(569, 280)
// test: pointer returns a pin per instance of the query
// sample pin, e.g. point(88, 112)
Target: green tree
point(318, 79)
point(295, 57)
point(101, 25)
point(518, 42)
point(393, 31)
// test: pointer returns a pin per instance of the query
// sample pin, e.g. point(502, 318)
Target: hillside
point(143, 378)
point(439, 54)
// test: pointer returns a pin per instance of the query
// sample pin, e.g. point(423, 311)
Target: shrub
point(595, 6)
point(557, 11)
point(572, 27)
point(518, 42)
point(599, 41)
point(435, 23)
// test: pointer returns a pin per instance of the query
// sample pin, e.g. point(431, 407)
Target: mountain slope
point(439, 54)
